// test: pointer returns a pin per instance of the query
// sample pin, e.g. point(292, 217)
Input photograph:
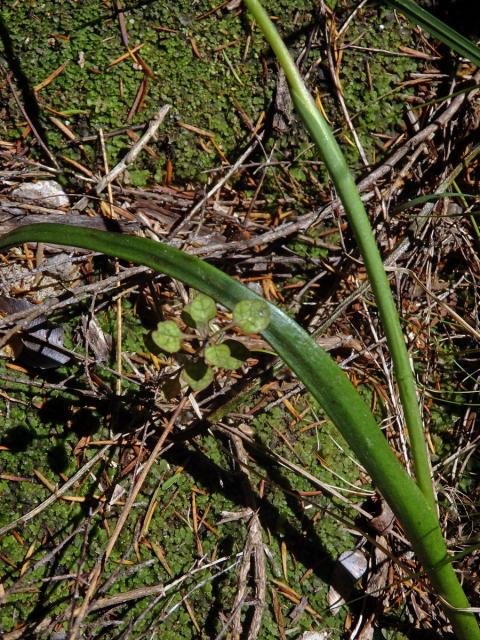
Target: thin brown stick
point(118, 341)
point(129, 158)
point(253, 555)
point(157, 589)
point(201, 203)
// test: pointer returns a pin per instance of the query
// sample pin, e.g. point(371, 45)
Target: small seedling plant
point(215, 351)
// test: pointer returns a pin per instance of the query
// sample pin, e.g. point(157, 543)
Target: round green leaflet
point(168, 336)
point(220, 355)
point(202, 309)
point(197, 375)
point(252, 316)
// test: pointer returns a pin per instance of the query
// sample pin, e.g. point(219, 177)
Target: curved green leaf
point(320, 374)
point(336, 164)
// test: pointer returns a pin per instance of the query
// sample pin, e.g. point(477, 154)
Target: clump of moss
point(198, 59)
point(374, 80)
point(204, 63)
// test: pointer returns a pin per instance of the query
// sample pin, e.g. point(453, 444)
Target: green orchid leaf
point(315, 368)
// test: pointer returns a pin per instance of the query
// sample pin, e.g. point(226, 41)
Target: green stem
point(347, 191)
point(465, 628)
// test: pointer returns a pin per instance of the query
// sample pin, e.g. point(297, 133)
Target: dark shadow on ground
point(28, 97)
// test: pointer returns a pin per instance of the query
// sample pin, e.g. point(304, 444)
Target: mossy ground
point(211, 66)
point(203, 67)
point(41, 435)
point(304, 532)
